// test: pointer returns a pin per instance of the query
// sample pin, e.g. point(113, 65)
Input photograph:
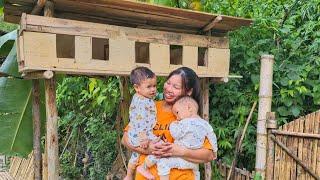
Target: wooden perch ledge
point(38, 75)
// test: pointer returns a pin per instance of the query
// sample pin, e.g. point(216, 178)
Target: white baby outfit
point(189, 133)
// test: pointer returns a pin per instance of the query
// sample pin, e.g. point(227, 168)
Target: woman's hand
point(170, 149)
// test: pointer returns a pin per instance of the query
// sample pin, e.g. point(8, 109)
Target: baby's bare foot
point(145, 173)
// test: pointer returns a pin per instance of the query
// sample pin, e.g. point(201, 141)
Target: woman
point(180, 82)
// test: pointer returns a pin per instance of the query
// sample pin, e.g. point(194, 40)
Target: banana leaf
point(16, 109)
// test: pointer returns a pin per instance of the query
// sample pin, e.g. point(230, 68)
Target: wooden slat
point(318, 145)
point(311, 147)
point(318, 149)
point(157, 16)
point(284, 156)
point(300, 170)
point(5, 176)
point(295, 150)
point(306, 146)
point(289, 145)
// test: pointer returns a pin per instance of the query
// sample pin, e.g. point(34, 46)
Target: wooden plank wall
point(306, 149)
point(240, 174)
point(65, 46)
point(21, 168)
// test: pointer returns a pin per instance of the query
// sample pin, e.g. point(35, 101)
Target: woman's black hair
point(190, 81)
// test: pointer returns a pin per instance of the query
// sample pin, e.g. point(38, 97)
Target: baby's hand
point(144, 143)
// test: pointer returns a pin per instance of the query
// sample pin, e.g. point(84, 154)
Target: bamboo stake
point(239, 143)
point(299, 161)
point(265, 98)
point(36, 130)
point(271, 124)
point(204, 110)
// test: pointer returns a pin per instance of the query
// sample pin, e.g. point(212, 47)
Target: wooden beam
point(38, 7)
point(212, 24)
point(38, 75)
point(36, 130)
point(297, 134)
point(49, 9)
point(52, 130)
point(291, 154)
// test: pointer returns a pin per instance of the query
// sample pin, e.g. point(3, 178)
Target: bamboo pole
point(299, 161)
point(271, 124)
point(205, 115)
point(239, 143)
point(265, 98)
point(36, 130)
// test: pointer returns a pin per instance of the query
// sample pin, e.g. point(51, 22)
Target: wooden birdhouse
point(81, 47)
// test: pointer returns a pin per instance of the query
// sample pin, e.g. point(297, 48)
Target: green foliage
point(87, 108)
point(290, 31)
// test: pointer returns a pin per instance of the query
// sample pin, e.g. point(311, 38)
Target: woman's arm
point(151, 147)
point(199, 155)
point(202, 155)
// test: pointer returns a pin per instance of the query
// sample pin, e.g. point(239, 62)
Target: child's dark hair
point(139, 74)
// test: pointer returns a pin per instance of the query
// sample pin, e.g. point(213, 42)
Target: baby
point(189, 131)
point(142, 115)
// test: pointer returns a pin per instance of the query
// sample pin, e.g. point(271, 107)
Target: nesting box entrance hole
point(202, 56)
point(65, 46)
point(176, 54)
point(100, 49)
point(142, 52)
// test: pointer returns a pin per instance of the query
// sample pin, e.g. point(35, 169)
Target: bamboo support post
point(299, 161)
point(38, 75)
point(271, 124)
point(297, 134)
point(36, 130)
point(205, 115)
point(265, 98)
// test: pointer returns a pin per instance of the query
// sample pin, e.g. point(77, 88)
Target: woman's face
point(172, 88)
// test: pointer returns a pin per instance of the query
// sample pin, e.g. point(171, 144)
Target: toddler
point(142, 115)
